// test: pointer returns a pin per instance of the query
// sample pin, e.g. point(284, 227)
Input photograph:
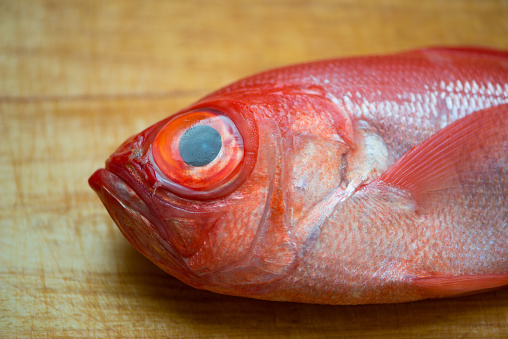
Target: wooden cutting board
point(78, 77)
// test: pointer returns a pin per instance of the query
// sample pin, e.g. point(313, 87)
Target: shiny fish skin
point(365, 180)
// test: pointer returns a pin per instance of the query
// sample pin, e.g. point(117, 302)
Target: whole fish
point(377, 179)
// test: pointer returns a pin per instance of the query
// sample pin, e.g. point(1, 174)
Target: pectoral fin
point(461, 150)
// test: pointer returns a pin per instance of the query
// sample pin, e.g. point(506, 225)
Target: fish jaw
point(135, 220)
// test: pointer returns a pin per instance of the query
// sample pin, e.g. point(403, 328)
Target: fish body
point(363, 180)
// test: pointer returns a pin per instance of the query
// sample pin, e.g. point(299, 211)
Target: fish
point(361, 180)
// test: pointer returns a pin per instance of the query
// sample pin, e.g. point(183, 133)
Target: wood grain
point(78, 77)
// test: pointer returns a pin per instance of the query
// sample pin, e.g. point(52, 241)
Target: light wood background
point(78, 77)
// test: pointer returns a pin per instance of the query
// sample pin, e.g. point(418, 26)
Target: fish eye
point(200, 145)
point(200, 150)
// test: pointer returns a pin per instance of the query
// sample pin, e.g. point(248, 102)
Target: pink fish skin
point(376, 179)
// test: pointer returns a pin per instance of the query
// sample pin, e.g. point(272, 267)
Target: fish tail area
point(458, 179)
point(442, 286)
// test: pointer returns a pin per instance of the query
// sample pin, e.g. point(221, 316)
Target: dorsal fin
point(471, 50)
point(440, 161)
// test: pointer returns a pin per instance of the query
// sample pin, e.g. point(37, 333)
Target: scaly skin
point(311, 221)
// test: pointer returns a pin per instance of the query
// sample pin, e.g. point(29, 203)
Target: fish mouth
point(134, 219)
point(117, 196)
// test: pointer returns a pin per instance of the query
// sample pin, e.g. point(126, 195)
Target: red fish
point(364, 180)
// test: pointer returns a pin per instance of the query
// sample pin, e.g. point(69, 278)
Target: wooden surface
point(78, 77)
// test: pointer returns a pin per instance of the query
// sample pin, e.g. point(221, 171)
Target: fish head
point(213, 194)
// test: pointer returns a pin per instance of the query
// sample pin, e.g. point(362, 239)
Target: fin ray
point(440, 286)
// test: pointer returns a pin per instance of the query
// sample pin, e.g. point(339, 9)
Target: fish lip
point(104, 182)
point(123, 202)
point(96, 181)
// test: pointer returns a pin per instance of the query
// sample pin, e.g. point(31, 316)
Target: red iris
point(194, 135)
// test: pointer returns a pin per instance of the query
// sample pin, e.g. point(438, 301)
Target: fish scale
point(442, 85)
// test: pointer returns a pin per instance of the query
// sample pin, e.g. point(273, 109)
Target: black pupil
point(200, 145)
